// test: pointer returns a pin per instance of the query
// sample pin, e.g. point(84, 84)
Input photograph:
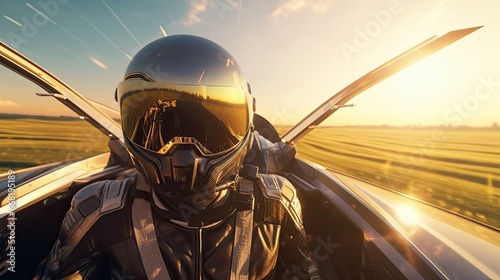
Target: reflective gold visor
point(156, 116)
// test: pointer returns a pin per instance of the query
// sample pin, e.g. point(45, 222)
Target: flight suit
point(257, 233)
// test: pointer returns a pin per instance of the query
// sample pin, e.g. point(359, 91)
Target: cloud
point(291, 7)
point(8, 103)
point(196, 7)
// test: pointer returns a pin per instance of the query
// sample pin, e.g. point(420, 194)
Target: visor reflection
point(157, 116)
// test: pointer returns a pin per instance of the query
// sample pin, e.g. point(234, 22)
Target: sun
point(422, 91)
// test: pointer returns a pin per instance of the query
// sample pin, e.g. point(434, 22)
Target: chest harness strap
point(145, 236)
point(243, 232)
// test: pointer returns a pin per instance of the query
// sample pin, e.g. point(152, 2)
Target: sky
point(294, 53)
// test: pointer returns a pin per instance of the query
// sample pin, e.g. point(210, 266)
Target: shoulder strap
point(145, 236)
point(243, 234)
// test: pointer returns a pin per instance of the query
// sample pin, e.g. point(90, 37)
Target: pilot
point(193, 211)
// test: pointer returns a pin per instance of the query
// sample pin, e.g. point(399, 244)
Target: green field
point(458, 169)
point(27, 142)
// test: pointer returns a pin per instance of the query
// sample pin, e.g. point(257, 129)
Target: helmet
point(187, 115)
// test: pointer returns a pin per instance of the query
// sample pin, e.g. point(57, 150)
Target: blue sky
point(295, 53)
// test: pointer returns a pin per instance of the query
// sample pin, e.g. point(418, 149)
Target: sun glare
point(407, 214)
point(423, 82)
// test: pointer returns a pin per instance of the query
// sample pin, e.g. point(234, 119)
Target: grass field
point(458, 169)
point(28, 142)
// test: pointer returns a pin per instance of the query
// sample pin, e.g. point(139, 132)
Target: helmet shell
point(181, 165)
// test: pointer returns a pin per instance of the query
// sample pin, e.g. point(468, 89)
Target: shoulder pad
point(278, 188)
point(89, 204)
point(270, 185)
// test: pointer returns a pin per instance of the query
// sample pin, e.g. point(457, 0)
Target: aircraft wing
point(59, 90)
point(398, 63)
